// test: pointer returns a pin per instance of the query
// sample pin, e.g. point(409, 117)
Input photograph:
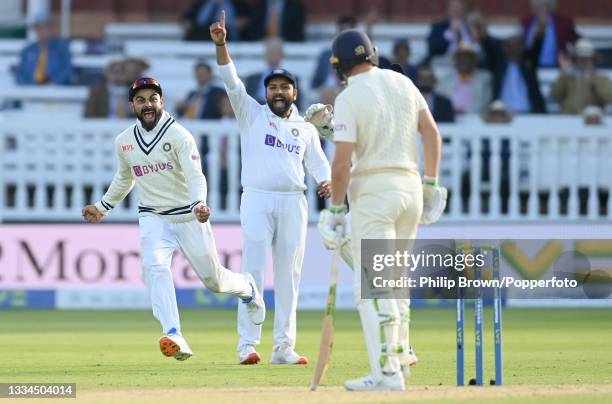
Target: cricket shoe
point(247, 355)
point(285, 355)
point(174, 345)
point(256, 308)
point(394, 382)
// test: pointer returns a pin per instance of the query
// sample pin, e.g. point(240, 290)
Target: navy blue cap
point(280, 73)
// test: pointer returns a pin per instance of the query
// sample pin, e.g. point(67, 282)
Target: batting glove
point(321, 116)
point(328, 233)
point(332, 225)
point(434, 200)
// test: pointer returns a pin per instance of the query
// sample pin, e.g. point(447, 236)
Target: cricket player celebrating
point(275, 142)
point(162, 158)
point(384, 187)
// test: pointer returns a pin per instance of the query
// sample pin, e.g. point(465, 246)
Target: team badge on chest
point(295, 132)
point(166, 147)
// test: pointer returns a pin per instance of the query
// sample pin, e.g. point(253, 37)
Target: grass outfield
point(550, 355)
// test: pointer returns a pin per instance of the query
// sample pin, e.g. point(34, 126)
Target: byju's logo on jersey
point(272, 141)
point(139, 171)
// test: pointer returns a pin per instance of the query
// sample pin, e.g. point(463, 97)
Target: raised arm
point(244, 105)
point(218, 33)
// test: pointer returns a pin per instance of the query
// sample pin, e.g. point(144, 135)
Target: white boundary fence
point(536, 168)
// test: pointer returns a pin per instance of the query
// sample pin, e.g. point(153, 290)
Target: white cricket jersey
point(379, 112)
point(165, 165)
point(274, 149)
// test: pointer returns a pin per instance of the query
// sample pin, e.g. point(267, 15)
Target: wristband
point(433, 181)
point(334, 210)
point(223, 44)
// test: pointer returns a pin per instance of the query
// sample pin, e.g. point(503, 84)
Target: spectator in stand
point(47, 60)
point(324, 75)
point(579, 84)
point(109, 99)
point(547, 33)
point(497, 112)
point(274, 57)
point(202, 13)
point(372, 17)
point(469, 89)
point(593, 115)
point(440, 106)
point(489, 49)
point(135, 68)
point(278, 18)
point(203, 102)
point(446, 35)
point(515, 82)
point(401, 56)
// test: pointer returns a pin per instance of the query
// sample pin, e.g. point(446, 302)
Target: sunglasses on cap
point(142, 83)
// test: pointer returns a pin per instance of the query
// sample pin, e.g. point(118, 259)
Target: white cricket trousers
point(158, 241)
point(386, 205)
point(276, 221)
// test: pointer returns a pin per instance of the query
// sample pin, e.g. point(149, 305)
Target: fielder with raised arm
point(276, 143)
point(162, 159)
point(377, 118)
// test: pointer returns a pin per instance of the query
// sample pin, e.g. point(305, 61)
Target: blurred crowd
point(495, 77)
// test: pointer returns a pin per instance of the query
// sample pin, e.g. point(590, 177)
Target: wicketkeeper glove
point(321, 116)
point(434, 200)
point(328, 234)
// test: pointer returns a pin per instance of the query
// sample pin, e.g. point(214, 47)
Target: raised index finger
point(222, 18)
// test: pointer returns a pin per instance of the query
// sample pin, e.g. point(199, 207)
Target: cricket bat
point(327, 333)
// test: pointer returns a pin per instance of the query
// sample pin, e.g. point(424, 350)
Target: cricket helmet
point(350, 48)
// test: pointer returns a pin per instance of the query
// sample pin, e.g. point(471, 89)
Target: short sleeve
point(345, 129)
point(421, 103)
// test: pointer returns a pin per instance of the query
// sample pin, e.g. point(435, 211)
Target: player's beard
point(149, 123)
point(277, 108)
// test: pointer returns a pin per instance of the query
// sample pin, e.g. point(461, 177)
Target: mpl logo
point(127, 147)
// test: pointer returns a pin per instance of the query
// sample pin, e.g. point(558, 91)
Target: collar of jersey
point(158, 132)
point(361, 76)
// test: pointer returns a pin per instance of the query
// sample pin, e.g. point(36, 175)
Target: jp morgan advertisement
point(77, 266)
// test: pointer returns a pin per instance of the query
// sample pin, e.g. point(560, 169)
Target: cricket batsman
point(276, 144)
point(377, 118)
point(161, 157)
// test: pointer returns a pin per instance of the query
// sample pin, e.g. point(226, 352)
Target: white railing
point(536, 168)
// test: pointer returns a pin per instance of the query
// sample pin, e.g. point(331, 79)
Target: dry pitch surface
point(335, 395)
